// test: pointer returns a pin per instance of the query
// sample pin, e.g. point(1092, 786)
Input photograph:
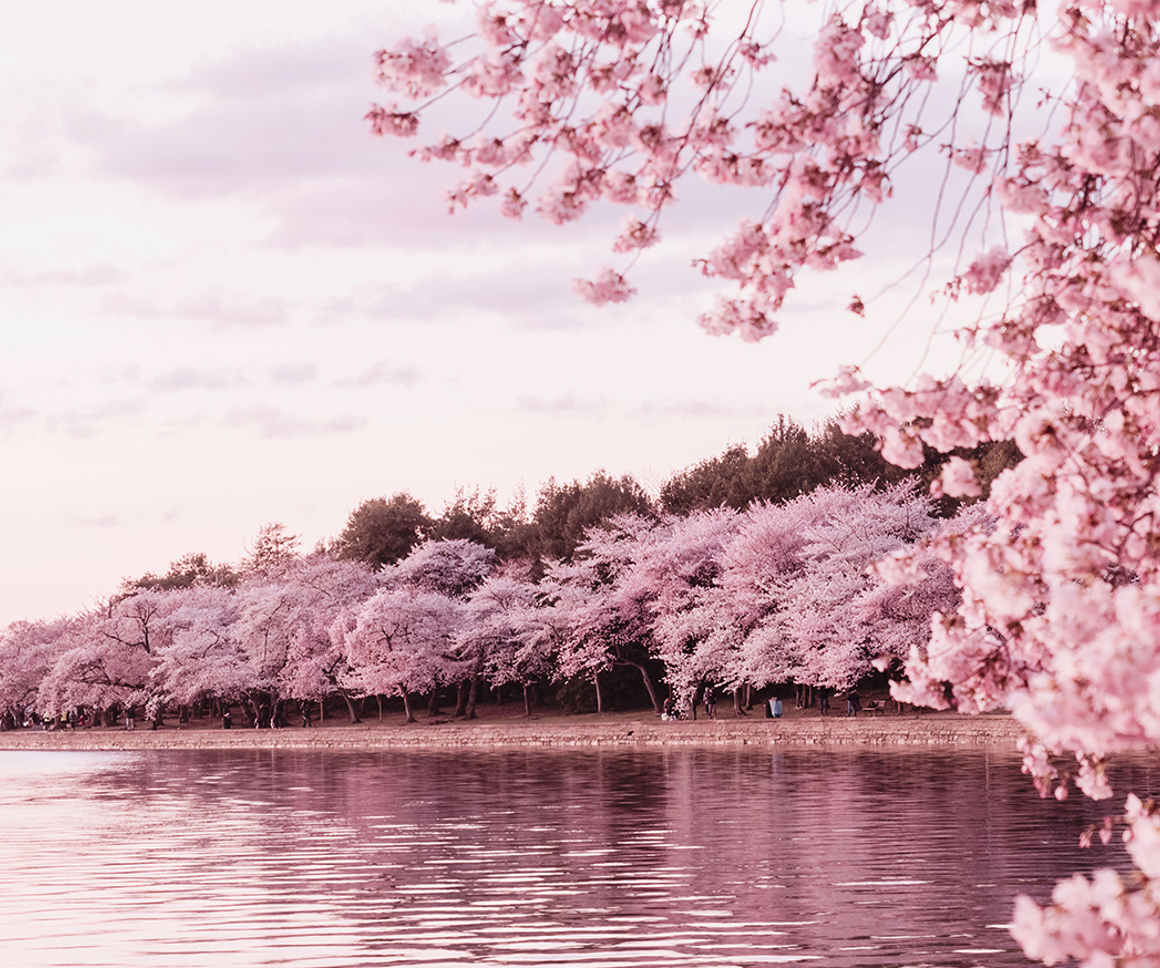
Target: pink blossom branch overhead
point(619, 100)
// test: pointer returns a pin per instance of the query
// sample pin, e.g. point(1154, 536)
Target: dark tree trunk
point(407, 707)
point(738, 705)
point(527, 700)
point(472, 695)
point(433, 703)
point(380, 702)
point(652, 693)
point(461, 699)
point(599, 694)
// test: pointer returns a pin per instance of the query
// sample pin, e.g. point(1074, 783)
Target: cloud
point(13, 417)
point(236, 310)
point(381, 374)
point(561, 405)
point(223, 309)
point(187, 378)
point(294, 374)
point(264, 116)
point(271, 422)
point(94, 521)
point(709, 409)
point(90, 421)
point(97, 274)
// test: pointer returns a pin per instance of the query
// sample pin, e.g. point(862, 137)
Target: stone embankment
point(927, 730)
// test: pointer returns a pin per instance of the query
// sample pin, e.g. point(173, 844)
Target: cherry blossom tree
point(285, 613)
point(1061, 589)
point(604, 629)
point(28, 650)
point(203, 659)
point(110, 656)
point(448, 566)
point(316, 663)
point(672, 574)
point(504, 636)
point(400, 642)
point(826, 623)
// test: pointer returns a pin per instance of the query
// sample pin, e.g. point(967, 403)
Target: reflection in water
point(593, 860)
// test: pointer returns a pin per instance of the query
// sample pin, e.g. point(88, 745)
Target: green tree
point(381, 531)
point(190, 569)
point(274, 545)
point(565, 511)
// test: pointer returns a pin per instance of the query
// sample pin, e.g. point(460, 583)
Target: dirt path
point(630, 730)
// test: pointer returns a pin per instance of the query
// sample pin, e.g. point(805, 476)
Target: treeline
point(600, 593)
point(787, 463)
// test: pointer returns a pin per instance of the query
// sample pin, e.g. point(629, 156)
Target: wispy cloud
point(294, 374)
point(708, 409)
point(561, 405)
point(222, 308)
point(187, 378)
point(269, 421)
point(383, 374)
point(92, 420)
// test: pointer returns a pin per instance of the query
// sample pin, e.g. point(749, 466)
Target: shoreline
point(926, 730)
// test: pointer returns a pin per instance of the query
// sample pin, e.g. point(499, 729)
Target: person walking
point(853, 703)
point(130, 721)
point(307, 718)
point(710, 703)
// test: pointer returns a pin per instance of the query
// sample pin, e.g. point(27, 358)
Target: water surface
point(589, 859)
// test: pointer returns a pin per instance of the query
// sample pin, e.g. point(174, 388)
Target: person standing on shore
point(307, 718)
point(710, 703)
point(130, 721)
point(853, 703)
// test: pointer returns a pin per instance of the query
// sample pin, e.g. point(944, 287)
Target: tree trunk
point(380, 701)
point(433, 703)
point(527, 700)
point(738, 705)
point(407, 707)
point(599, 694)
point(652, 693)
point(472, 696)
point(461, 700)
point(354, 716)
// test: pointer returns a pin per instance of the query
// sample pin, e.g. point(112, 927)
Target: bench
point(874, 706)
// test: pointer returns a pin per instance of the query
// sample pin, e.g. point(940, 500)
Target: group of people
point(672, 711)
point(268, 717)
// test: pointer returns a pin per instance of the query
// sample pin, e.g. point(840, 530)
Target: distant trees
point(790, 461)
point(273, 546)
point(380, 532)
point(597, 590)
point(190, 569)
point(742, 599)
point(565, 512)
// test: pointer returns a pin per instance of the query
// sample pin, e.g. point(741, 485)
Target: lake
point(588, 859)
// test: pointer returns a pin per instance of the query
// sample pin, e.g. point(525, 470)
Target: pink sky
point(225, 304)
